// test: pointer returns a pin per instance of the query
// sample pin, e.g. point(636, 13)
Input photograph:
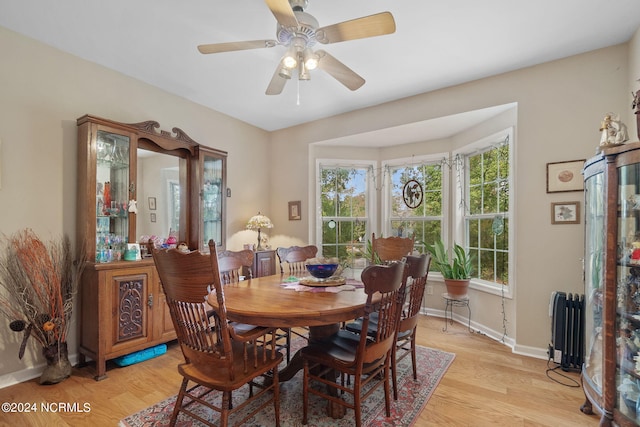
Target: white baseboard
point(27, 374)
point(537, 353)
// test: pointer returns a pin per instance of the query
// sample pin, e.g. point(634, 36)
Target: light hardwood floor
point(486, 385)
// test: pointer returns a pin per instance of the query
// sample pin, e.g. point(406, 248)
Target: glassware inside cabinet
point(112, 195)
point(212, 199)
point(593, 270)
point(628, 292)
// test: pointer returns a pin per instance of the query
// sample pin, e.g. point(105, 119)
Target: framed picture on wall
point(565, 213)
point(295, 210)
point(565, 176)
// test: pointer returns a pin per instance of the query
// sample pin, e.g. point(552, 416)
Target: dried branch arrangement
point(38, 282)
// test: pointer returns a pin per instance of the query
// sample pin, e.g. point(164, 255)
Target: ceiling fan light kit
point(299, 32)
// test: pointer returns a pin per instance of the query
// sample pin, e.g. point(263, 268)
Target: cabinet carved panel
point(131, 307)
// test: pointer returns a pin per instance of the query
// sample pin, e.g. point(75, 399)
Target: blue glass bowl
point(322, 271)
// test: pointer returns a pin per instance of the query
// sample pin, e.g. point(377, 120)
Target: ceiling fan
point(299, 32)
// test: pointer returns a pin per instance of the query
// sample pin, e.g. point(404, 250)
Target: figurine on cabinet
point(613, 131)
point(133, 206)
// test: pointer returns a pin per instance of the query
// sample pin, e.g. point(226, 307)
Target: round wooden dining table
point(265, 301)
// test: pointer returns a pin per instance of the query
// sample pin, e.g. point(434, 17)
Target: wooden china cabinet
point(611, 371)
point(171, 181)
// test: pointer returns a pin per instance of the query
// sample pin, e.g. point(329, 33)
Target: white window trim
point(457, 210)
point(410, 161)
point(370, 165)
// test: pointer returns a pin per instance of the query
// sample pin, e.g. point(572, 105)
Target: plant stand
point(455, 301)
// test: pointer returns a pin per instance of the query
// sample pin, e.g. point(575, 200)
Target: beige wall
point(42, 93)
point(560, 105)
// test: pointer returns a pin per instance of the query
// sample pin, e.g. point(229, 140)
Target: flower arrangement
point(38, 282)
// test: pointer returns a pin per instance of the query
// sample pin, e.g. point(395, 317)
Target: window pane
point(343, 194)
point(486, 265)
point(487, 194)
point(475, 199)
point(473, 227)
point(502, 268)
point(490, 167)
point(475, 170)
point(328, 184)
point(424, 222)
point(502, 240)
point(490, 198)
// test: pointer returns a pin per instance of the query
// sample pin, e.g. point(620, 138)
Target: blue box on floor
point(140, 356)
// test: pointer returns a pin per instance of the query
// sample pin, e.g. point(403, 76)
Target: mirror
point(158, 193)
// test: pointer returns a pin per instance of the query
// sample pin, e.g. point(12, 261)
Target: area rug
point(412, 397)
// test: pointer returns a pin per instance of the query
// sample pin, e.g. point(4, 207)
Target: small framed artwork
point(153, 217)
point(152, 203)
point(565, 176)
point(295, 210)
point(565, 213)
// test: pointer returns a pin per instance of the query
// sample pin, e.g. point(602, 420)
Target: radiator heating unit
point(567, 330)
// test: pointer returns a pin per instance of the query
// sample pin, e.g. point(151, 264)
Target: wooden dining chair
point(231, 263)
point(388, 249)
point(292, 259)
point(215, 355)
point(408, 326)
point(367, 359)
point(416, 281)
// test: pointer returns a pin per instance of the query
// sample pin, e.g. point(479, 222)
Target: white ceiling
point(436, 44)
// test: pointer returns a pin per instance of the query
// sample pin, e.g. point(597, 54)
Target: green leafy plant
point(370, 255)
point(462, 266)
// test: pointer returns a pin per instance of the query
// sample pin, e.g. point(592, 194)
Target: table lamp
point(256, 223)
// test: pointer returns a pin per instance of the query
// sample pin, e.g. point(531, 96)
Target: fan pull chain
point(298, 98)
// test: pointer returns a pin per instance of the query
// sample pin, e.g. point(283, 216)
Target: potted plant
point(457, 274)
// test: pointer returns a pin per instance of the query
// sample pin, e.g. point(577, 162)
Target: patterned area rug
point(412, 397)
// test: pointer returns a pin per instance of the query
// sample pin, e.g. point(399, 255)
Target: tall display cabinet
point(611, 371)
point(135, 182)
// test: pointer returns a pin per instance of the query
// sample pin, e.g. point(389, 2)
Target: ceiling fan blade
point(339, 71)
point(283, 12)
point(368, 26)
point(277, 82)
point(233, 46)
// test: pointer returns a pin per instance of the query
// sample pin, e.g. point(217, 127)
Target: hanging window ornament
point(412, 194)
point(332, 224)
point(498, 225)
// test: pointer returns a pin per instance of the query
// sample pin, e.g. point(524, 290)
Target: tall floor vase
point(58, 367)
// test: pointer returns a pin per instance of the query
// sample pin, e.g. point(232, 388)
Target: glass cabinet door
point(212, 198)
point(627, 323)
point(593, 271)
point(113, 153)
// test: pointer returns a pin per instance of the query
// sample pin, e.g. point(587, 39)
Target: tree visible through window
point(487, 214)
point(344, 216)
point(425, 221)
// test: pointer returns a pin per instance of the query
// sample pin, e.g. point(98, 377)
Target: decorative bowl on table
point(322, 271)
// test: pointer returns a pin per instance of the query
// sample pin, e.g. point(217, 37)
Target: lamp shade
point(259, 221)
